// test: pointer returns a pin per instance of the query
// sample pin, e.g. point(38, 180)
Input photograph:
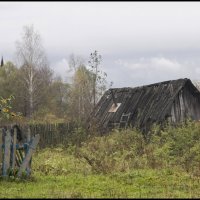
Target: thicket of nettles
point(121, 151)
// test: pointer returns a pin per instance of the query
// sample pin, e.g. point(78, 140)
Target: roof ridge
point(154, 84)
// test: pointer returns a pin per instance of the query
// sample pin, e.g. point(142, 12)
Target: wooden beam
point(28, 169)
point(14, 149)
point(6, 160)
point(1, 150)
point(113, 98)
point(27, 159)
point(28, 135)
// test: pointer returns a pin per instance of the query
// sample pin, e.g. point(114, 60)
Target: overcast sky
point(140, 42)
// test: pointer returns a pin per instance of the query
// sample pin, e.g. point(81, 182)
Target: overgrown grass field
point(119, 165)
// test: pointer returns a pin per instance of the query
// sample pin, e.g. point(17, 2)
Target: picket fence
point(15, 158)
point(54, 134)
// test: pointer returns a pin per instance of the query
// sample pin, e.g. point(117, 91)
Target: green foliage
point(45, 97)
point(58, 174)
point(79, 135)
point(178, 146)
point(44, 115)
point(116, 152)
point(121, 164)
point(6, 109)
point(8, 79)
point(13, 177)
point(80, 95)
point(126, 150)
point(57, 161)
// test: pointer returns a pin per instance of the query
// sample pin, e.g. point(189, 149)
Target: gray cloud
point(147, 70)
point(140, 42)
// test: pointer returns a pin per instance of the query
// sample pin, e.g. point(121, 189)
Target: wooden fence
point(15, 158)
point(52, 135)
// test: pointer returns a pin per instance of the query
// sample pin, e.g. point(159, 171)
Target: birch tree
point(80, 95)
point(58, 97)
point(33, 67)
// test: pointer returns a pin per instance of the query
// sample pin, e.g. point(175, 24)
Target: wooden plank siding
point(174, 100)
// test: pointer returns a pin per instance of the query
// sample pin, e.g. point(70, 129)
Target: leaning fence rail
point(15, 158)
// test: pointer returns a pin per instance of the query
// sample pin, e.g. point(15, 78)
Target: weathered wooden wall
point(186, 105)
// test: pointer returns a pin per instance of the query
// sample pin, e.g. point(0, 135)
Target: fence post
point(1, 150)
point(13, 155)
point(6, 160)
point(28, 135)
point(28, 169)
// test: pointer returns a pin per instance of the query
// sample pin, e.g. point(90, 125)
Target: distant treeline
point(42, 96)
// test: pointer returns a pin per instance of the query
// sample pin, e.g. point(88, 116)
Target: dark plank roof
point(147, 104)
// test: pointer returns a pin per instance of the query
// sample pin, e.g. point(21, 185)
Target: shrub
point(121, 151)
point(118, 151)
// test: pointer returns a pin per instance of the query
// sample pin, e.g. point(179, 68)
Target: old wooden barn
point(140, 107)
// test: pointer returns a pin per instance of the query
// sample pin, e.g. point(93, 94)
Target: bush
point(121, 151)
point(178, 145)
point(58, 161)
point(118, 151)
